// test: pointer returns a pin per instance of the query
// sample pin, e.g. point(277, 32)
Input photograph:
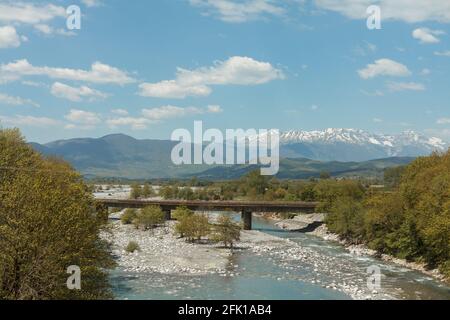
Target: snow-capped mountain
point(356, 145)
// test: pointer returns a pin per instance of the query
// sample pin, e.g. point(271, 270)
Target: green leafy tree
point(136, 191)
point(47, 223)
point(149, 217)
point(147, 191)
point(226, 231)
point(128, 216)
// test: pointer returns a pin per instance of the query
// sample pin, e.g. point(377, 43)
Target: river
point(275, 276)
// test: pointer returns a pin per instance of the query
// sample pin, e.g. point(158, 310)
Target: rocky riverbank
point(313, 224)
point(362, 250)
point(162, 252)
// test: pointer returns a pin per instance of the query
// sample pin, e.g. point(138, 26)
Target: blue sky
point(145, 68)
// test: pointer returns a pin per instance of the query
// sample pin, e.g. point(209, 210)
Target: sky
point(146, 68)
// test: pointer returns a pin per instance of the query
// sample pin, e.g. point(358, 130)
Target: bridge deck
point(238, 206)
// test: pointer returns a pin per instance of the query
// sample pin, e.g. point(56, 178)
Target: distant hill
point(306, 168)
point(121, 156)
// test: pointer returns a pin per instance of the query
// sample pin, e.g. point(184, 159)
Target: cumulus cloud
point(233, 11)
point(443, 121)
point(402, 86)
point(85, 119)
point(426, 35)
point(234, 71)
point(16, 101)
point(92, 3)
point(384, 67)
point(64, 91)
point(9, 37)
point(138, 123)
point(156, 115)
point(49, 30)
point(442, 53)
point(120, 112)
point(403, 10)
point(20, 12)
point(99, 73)
point(30, 121)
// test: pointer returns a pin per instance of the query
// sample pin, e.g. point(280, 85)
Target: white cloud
point(172, 89)
point(135, 123)
point(155, 115)
point(384, 67)
point(402, 86)
point(443, 121)
point(234, 71)
point(442, 53)
point(403, 10)
point(64, 91)
point(377, 120)
point(120, 112)
point(426, 35)
point(215, 109)
point(82, 117)
point(169, 112)
point(239, 11)
point(425, 72)
point(27, 13)
point(99, 73)
point(9, 37)
point(92, 3)
point(16, 101)
point(30, 121)
point(48, 30)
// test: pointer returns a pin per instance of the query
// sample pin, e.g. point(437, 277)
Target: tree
point(136, 191)
point(180, 212)
point(324, 175)
point(226, 231)
point(149, 217)
point(47, 223)
point(128, 216)
point(147, 191)
point(193, 226)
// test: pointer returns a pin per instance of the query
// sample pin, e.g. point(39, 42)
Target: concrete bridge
point(245, 207)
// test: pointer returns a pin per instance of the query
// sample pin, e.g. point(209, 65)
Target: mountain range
point(304, 154)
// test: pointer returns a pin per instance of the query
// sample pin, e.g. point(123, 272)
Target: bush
point(147, 191)
point(128, 216)
point(149, 217)
point(193, 226)
point(226, 231)
point(136, 191)
point(47, 223)
point(132, 247)
point(346, 219)
point(181, 212)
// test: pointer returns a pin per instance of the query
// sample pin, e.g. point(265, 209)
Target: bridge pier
point(167, 214)
point(246, 218)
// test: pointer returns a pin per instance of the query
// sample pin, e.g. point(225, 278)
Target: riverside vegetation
point(48, 222)
point(407, 217)
point(192, 226)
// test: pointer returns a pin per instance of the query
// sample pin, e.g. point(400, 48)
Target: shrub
point(128, 216)
point(226, 231)
point(149, 217)
point(136, 191)
point(132, 247)
point(193, 226)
